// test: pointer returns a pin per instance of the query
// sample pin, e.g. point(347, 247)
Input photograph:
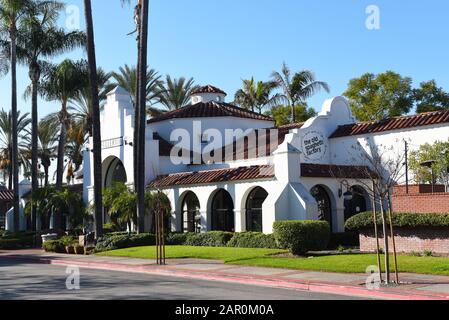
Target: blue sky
point(223, 41)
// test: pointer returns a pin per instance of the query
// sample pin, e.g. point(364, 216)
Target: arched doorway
point(324, 204)
point(254, 209)
point(115, 173)
point(222, 212)
point(357, 204)
point(191, 217)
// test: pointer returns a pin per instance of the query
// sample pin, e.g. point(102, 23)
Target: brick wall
point(410, 240)
point(418, 189)
point(421, 199)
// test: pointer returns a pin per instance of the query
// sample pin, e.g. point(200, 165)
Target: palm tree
point(81, 108)
point(127, 79)
point(47, 150)
point(96, 129)
point(142, 68)
point(11, 11)
point(39, 38)
point(256, 95)
point(297, 89)
point(175, 93)
point(7, 139)
point(62, 84)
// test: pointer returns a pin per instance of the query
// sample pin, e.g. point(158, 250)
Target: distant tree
point(376, 97)
point(438, 152)
point(6, 143)
point(282, 114)
point(47, 149)
point(429, 97)
point(256, 95)
point(175, 93)
point(297, 88)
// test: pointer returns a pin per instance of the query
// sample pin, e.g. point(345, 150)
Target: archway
point(324, 203)
point(253, 208)
point(357, 204)
point(115, 172)
point(190, 215)
point(222, 213)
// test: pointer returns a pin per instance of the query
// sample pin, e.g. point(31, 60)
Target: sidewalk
point(415, 287)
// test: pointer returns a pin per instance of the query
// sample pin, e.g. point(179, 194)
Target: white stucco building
point(297, 172)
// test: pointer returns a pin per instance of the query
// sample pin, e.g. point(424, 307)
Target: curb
point(319, 287)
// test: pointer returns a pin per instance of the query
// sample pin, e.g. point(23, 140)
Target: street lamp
point(348, 196)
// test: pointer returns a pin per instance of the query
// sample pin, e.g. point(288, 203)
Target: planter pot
point(79, 249)
point(70, 249)
point(88, 250)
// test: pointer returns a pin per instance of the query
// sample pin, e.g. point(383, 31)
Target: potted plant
point(68, 243)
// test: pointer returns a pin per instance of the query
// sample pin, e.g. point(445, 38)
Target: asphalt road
point(46, 282)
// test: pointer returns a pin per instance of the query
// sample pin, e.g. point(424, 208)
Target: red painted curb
point(320, 287)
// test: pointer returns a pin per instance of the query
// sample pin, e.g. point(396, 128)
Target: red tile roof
point(335, 171)
point(213, 176)
point(209, 110)
point(6, 195)
point(207, 89)
point(397, 123)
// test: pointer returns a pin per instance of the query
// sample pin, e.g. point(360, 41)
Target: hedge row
point(121, 241)
point(400, 220)
point(253, 240)
point(19, 240)
point(300, 237)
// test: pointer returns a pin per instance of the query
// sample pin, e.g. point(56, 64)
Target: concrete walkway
point(414, 287)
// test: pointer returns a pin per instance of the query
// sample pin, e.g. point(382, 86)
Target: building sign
point(112, 143)
point(314, 145)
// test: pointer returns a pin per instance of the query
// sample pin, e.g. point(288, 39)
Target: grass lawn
point(180, 252)
point(345, 263)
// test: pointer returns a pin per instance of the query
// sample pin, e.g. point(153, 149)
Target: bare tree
point(380, 169)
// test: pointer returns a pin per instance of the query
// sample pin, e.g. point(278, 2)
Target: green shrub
point(122, 241)
point(54, 246)
point(344, 239)
point(68, 241)
point(209, 239)
point(253, 240)
point(17, 240)
point(400, 220)
point(302, 236)
point(176, 239)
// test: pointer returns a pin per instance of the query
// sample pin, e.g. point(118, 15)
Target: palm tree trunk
point(293, 113)
point(142, 76)
point(60, 164)
point(96, 129)
point(34, 157)
point(15, 163)
point(46, 175)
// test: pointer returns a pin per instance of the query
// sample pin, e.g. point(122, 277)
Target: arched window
point(191, 217)
point(357, 204)
point(116, 173)
point(222, 212)
point(324, 204)
point(254, 209)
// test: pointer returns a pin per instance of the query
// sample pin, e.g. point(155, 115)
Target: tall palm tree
point(62, 84)
point(256, 95)
point(297, 88)
point(175, 93)
point(6, 142)
point(96, 129)
point(142, 68)
point(11, 11)
point(39, 38)
point(47, 149)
